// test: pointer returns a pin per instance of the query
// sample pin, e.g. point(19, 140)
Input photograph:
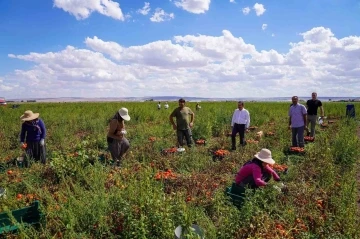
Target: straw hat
point(29, 115)
point(265, 156)
point(124, 113)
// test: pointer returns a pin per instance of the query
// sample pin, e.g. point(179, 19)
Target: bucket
point(180, 231)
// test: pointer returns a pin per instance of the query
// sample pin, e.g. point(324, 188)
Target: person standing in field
point(159, 105)
point(183, 123)
point(166, 106)
point(297, 122)
point(312, 108)
point(117, 143)
point(239, 124)
point(198, 107)
point(32, 136)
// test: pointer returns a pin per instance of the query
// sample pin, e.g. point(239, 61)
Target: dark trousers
point(184, 133)
point(35, 151)
point(238, 128)
point(298, 136)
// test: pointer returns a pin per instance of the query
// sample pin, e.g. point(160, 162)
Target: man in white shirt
point(239, 123)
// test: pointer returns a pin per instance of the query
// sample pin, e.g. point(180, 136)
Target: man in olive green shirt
point(183, 123)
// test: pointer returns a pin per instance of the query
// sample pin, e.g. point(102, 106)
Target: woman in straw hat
point(32, 136)
point(117, 143)
point(257, 172)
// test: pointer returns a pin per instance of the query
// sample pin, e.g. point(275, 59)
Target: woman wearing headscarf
point(117, 143)
point(32, 136)
point(257, 172)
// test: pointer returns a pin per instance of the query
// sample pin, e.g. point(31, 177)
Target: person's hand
point(174, 127)
point(42, 142)
point(191, 124)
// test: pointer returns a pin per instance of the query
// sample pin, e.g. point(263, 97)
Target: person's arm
point(22, 134)
point(257, 175)
point(322, 111)
point(43, 130)
point(192, 117)
point(172, 115)
point(248, 120)
point(112, 129)
point(305, 116)
point(233, 119)
point(272, 172)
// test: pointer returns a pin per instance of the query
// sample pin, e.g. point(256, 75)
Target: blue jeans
point(298, 136)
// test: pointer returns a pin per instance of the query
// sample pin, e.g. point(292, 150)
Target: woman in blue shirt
point(32, 136)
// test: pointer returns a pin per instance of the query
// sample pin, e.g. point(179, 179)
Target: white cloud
point(145, 10)
point(194, 6)
point(246, 10)
point(259, 9)
point(193, 65)
point(82, 9)
point(160, 15)
point(264, 26)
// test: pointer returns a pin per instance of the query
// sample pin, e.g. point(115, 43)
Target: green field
point(85, 197)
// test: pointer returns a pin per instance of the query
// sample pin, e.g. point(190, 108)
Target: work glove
point(42, 142)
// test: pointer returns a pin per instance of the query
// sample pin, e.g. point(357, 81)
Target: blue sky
point(43, 27)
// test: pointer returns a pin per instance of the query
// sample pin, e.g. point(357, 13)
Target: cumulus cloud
point(82, 9)
point(246, 10)
point(259, 9)
point(145, 10)
point(264, 26)
point(194, 65)
point(160, 16)
point(194, 6)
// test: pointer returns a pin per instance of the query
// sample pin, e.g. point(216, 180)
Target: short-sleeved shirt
point(297, 112)
point(182, 117)
point(313, 106)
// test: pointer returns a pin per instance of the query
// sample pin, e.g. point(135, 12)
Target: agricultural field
point(83, 196)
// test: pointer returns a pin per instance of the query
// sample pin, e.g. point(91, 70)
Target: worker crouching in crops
point(32, 136)
point(257, 172)
point(117, 143)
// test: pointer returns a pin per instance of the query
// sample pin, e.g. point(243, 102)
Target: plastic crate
point(28, 216)
point(237, 194)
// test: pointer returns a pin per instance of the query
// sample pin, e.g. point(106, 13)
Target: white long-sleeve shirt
point(241, 117)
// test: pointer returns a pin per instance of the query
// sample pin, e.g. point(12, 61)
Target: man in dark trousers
point(184, 122)
point(312, 107)
point(239, 123)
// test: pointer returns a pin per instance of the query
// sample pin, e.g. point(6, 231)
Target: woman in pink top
point(257, 172)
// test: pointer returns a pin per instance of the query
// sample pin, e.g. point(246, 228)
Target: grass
point(83, 197)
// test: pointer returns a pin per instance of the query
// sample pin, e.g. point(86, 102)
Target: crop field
point(82, 195)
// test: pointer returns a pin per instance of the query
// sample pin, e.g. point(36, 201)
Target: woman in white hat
point(32, 136)
point(117, 143)
point(257, 172)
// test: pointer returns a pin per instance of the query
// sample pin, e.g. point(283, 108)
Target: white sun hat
point(265, 156)
point(124, 113)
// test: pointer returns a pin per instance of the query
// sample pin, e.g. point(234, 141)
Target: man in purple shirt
point(297, 122)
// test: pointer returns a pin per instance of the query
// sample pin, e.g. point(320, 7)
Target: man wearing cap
point(312, 108)
point(297, 122)
point(117, 143)
point(257, 172)
point(239, 123)
point(32, 136)
point(183, 123)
